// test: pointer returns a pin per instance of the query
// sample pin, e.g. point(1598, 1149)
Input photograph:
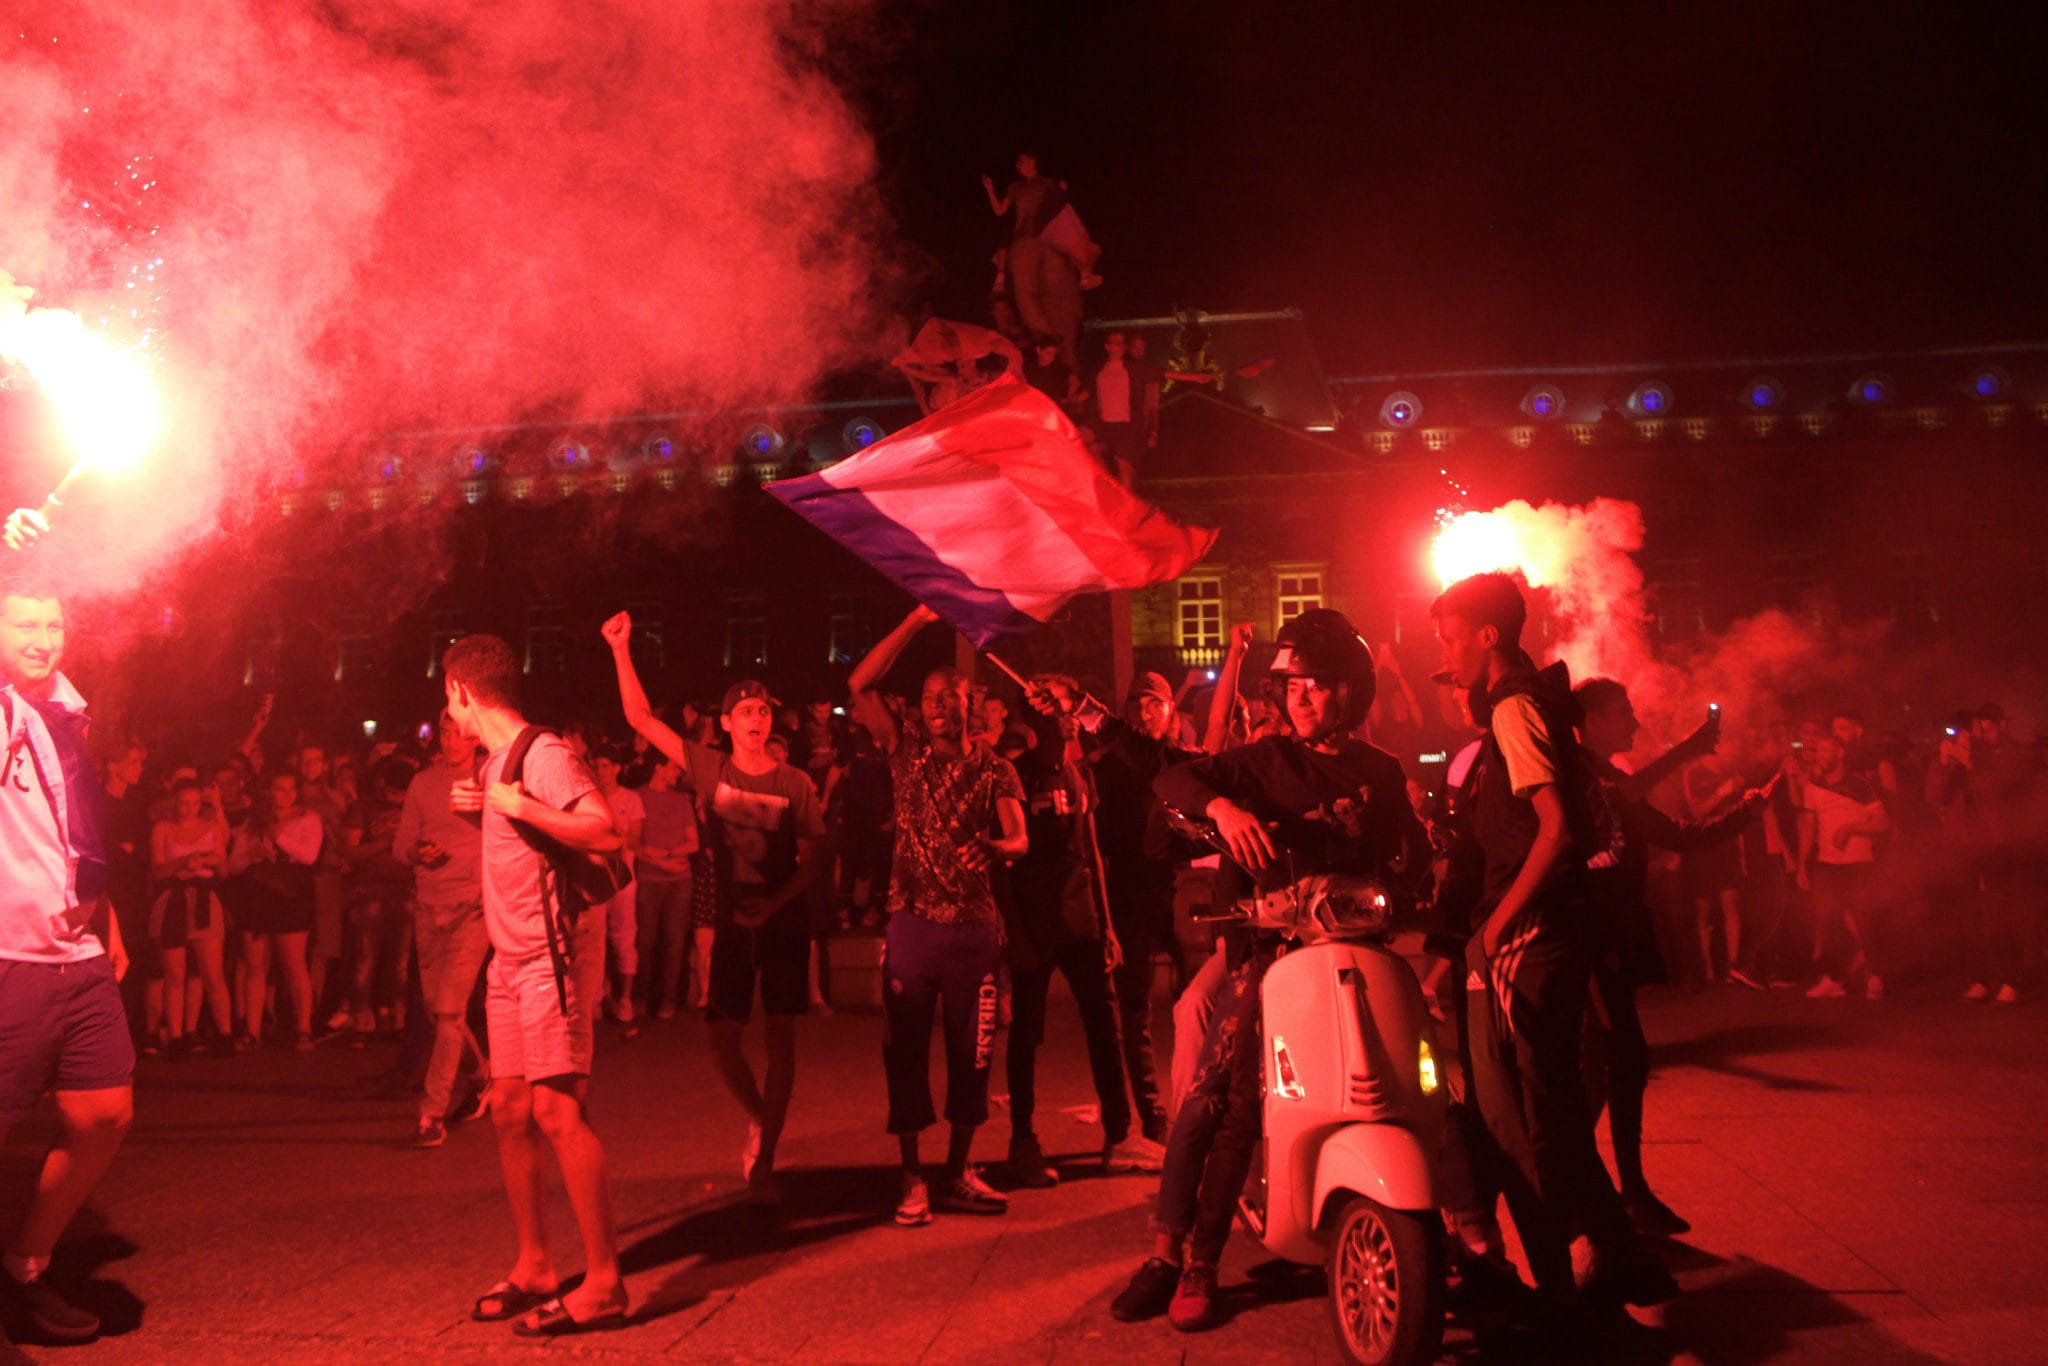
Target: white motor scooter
point(1354, 1110)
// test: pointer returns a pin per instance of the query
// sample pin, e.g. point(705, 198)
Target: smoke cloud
point(1592, 609)
point(329, 219)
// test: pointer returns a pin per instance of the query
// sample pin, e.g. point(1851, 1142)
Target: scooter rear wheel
point(1386, 1270)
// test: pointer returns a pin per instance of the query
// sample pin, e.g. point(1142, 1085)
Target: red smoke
point(374, 215)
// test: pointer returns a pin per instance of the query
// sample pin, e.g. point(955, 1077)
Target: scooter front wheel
point(1386, 1271)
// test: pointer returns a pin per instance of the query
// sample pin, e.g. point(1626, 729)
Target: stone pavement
point(1867, 1184)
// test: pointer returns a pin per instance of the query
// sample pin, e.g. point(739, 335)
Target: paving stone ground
point(1868, 1184)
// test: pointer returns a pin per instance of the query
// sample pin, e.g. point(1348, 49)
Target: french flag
point(993, 513)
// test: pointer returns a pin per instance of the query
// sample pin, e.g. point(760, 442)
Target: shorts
point(777, 954)
point(62, 1028)
point(531, 1036)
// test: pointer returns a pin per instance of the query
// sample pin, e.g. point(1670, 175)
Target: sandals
point(553, 1321)
point(511, 1301)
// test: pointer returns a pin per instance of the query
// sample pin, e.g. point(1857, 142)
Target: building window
point(650, 639)
point(1199, 624)
point(445, 627)
point(545, 652)
point(848, 629)
point(266, 645)
point(1912, 585)
point(355, 656)
point(1795, 579)
point(746, 632)
point(1300, 589)
point(1679, 604)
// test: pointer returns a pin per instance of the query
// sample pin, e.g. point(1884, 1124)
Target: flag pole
point(1018, 678)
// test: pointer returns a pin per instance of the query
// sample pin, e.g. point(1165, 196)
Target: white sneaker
point(1825, 987)
point(1873, 988)
point(915, 1208)
point(1977, 992)
point(624, 1013)
point(2008, 995)
point(1136, 1153)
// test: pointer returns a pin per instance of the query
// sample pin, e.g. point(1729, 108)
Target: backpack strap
point(558, 948)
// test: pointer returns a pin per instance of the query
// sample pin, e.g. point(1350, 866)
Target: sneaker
point(1651, 1215)
point(1148, 1294)
point(1824, 988)
point(665, 1011)
point(431, 1133)
point(624, 1012)
point(1743, 979)
point(340, 1019)
point(1027, 1167)
point(1133, 1153)
point(915, 1208)
point(751, 1153)
point(1193, 1306)
point(1873, 988)
point(54, 1316)
point(1978, 992)
point(475, 1105)
point(2008, 995)
point(967, 1193)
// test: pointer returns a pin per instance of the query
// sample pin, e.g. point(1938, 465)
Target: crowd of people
point(693, 860)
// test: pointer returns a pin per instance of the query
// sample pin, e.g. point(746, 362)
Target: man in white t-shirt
point(539, 1027)
point(62, 1027)
point(1840, 816)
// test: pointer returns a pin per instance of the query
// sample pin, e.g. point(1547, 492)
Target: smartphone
point(426, 731)
point(1714, 709)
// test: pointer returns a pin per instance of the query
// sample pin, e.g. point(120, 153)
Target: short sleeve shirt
point(755, 820)
point(941, 804)
point(1525, 744)
point(1836, 807)
point(515, 873)
point(671, 816)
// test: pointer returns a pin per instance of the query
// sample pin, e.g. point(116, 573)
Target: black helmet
point(1322, 644)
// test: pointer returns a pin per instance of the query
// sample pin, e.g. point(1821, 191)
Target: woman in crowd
point(187, 856)
point(273, 865)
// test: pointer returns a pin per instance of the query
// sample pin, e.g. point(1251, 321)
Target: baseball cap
point(741, 691)
point(1150, 684)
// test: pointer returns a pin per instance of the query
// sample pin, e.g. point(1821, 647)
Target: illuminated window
point(446, 626)
point(1200, 620)
point(848, 629)
point(545, 651)
point(1300, 589)
point(746, 632)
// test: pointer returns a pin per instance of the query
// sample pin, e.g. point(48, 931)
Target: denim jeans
point(1209, 1150)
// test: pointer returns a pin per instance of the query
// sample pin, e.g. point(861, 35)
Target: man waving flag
point(993, 513)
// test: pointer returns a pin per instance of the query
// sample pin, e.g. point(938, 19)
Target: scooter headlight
point(1350, 906)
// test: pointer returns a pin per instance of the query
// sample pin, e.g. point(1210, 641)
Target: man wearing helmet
point(1316, 801)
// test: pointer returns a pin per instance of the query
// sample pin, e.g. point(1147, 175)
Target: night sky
point(1470, 185)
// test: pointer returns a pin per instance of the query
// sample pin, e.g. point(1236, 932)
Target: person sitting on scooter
point(1316, 801)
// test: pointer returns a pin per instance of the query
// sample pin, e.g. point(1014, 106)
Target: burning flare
point(104, 396)
point(1469, 543)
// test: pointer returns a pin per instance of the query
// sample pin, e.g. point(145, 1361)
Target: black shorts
point(62, 1028)
point(777, 955)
